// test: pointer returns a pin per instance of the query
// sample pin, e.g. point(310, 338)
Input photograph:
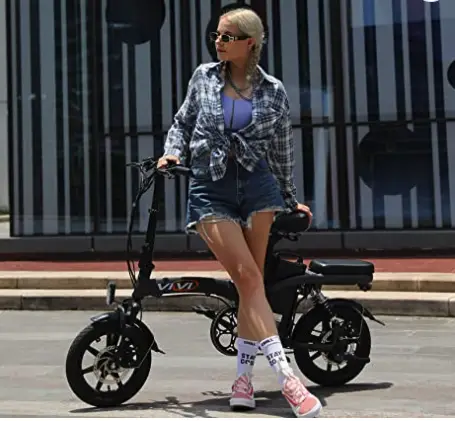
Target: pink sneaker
point(303, 403)
point(242, 396)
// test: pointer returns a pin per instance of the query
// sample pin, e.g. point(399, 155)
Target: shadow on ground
point(267, 402)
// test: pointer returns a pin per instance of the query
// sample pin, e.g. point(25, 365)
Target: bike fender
point(149, 335)
point(116, 317)
point(354, 304)
point(111, 316)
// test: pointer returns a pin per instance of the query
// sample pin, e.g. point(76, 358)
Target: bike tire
point(77, 381)
point(302, 333)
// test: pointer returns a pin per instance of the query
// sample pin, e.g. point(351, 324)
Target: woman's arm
point(179, 135)
point(281, 155)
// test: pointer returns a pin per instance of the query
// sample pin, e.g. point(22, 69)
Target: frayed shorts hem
point(214, 217)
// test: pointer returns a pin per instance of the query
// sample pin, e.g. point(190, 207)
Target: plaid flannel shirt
point(198, 128)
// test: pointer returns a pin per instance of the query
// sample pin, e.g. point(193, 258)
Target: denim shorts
point(236, 196)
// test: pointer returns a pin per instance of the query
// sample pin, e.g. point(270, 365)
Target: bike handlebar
point(148, 171)
point(150, 163)
point(176, 169)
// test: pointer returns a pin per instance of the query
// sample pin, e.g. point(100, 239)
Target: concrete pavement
point(65, 280)
point(379, 303)
point(407, 294)
point(411, 373)
point(402, 286)
point(382, 264)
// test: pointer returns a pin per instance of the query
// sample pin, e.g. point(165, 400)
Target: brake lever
point(163, 171)
point(172, 171)
point(166, 172)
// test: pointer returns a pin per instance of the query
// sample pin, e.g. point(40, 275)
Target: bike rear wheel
point(106, 371)
point(315, 327)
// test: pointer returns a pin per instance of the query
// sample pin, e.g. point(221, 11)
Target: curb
point(378, 302)
point(383, 281)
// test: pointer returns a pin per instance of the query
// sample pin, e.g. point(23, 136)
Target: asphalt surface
point(411, 373)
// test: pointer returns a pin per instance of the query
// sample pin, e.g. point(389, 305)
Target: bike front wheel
point(107, 379)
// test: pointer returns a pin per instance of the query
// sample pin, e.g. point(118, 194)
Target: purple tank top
point(237, 112)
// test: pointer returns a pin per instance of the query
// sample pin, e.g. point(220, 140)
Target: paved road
point(411, 374)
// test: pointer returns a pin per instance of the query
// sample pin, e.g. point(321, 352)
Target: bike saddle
point(291, 223)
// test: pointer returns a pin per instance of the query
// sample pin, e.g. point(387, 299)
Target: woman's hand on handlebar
point(165, 160)
point(305, 209)
point(170, 166)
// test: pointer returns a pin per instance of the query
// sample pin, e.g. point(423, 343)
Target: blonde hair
point(249, 23)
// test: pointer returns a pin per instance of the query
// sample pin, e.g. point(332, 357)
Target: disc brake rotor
point(106, 369)
point(325, 338)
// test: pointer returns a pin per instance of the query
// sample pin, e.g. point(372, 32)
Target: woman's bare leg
point(242, 255)
point(257, 238)
point(227, 242)
point(255, 321)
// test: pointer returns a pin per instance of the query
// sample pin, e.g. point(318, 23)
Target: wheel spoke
point(329, 367)
point(98, 385)
point(93, 351)
point(317, 354)
point(117, 379)
point(88, 370)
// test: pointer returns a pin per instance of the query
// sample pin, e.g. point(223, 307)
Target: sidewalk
point(402, 286)
point(401, 265)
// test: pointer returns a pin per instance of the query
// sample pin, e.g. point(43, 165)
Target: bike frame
point(222, 289)
point(280, 275)
point(131, 341)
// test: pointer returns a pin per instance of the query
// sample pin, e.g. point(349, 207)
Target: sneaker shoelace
point(242, 385)
point(295, 390)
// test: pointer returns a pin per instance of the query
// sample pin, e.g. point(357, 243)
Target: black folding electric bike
point(332, 330)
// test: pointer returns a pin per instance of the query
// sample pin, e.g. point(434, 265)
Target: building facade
point(94, 85)
point(4, 199)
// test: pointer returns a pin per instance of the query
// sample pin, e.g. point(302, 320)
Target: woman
point(235, 123)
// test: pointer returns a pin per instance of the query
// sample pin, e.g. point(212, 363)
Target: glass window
point(398, 92)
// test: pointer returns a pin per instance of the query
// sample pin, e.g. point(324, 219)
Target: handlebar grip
point(181, 170)
point(178, 170)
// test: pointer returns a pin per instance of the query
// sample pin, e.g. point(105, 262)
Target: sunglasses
point(226, 38)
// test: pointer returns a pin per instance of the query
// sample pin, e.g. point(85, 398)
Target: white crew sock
point(274, 352)
point(246, 356)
